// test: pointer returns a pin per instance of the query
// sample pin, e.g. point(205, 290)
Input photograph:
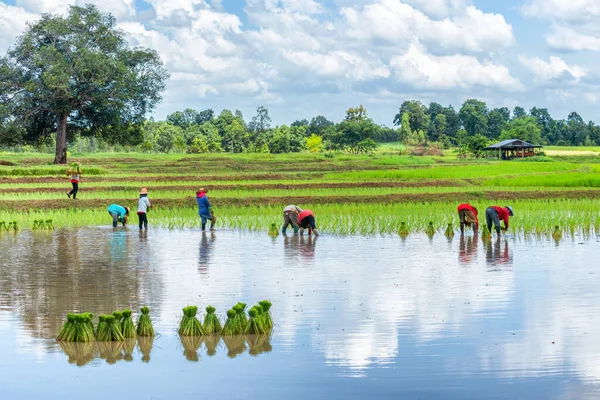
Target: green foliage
point(314, 143)
point(523, 128)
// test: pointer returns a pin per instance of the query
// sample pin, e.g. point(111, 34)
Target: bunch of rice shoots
point(36, 224)
point(190, 325)
point(13, 225)
point(191, 345)
point(449, 231)
point(144, 325)
point(241, 315)
point(230, 327)
point(49, 224)
point(102, 331)
point(430, 231)
point(211, 322)
point(67, 329)
point(3, 226)
point(127, 326)
point(145, 344)
point(403, 231)
point(485, 233)
point(254, 325)
point(273, 230)
point(266, 315)
point(557, 234)
point(114, 327)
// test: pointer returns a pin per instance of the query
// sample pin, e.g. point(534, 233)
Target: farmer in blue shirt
point(118, 214)
point(205, 209)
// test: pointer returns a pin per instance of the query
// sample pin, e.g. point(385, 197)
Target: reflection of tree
point(45, 275)
point(467, 252)
point(206, 246)
point(78, 353)
point(496, 253)
point(191, 345)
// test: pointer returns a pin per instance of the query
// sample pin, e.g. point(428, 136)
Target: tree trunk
point(61, 140)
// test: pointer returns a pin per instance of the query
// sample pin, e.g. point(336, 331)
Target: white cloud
point(574, 10)
point(13, 21)
point(121, 9)
point(427, 71)
point(570, 39)
point(555, 68)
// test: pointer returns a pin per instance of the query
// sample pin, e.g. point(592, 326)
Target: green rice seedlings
point(449, 231)
point(211, 322)
point(114, 327)
point(112, 352)
point(49, 225)
point(144, 325)
point(557, 234)
point(80, 354)
point(241, 315)
point(191, 345)
point(430, 231)
point(235, 344)
point(266, 315)
point(90, 321)
point(127, 326)
point(36, 224)
point(190, 325)
point(102, 331)
point(145, 344)
point(230, 327)
point(13, 226)
point(67, 330)
point(273, 230)
point(83, 330)
point(254, 325)
point(128, 348)
point(403, 231)
point(211, 342)
point(3, 226)
point(485, 233)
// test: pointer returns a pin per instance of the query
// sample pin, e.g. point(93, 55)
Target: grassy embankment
point(350, 194)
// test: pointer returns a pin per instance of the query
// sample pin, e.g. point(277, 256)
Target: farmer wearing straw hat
point(205, 209)
point(143, 207)
point(118, 214)
point(468, 215)
point(494, 214)
point(290, 217)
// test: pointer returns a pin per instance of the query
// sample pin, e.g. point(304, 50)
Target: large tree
point(417, 113)
point(474, 117)
point(78, 71)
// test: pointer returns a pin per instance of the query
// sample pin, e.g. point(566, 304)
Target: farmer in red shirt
point(306, 219)
point(468, 215)
point(495, 214)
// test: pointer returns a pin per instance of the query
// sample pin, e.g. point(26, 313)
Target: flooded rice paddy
point(356, 317)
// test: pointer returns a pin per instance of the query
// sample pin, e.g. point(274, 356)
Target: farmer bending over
point(306, 219)
point(468, 215)
point(290, 217)
point(118, 214)
point(495, 214)
point(205, 209)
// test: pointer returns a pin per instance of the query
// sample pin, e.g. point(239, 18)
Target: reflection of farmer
point(290, 217)
point(118, 214)
point(497, 254)
point(307, 247)
point(205, 209)
point(468, 215)
point(118, 246)
point(494, 214)
point(467, 249)
point(206, 246)
point(306, 219)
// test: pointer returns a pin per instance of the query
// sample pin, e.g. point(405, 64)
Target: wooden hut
point(512, 148)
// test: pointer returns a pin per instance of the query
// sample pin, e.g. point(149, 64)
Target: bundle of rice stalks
point(49, 224)
point(259, 344)
point(90, 322)
point(128, 348)
point(241, 315)
point(13, 226)
point(266, 315)
point(78, 328)
point(127, 326)
point(191, 344)
point(102, 332)
point(3, 226)
point(190, 325)
point(449, 231)
point(114, 327)
point(230, 327)
point(67, 328)
point(211, 322)
point(273, 230)
point(211, 342)
point(430, 231)
point(236, 345)
point(403, 231)
point(485, 233)
point(144, 325)
point(36, 224)
point(557, 234)
point(112, 352)
point(79, 353)
point(254, 325)
point(145, 344)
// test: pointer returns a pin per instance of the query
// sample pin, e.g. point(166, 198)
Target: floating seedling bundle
point(109, 328)
point(127, 326)
point(190, 325)
point(430, 231)
point(3, 226)
point(230, 327)
point(13, 226)
point(77, 328)
point(403, 231)
point(485, 233)
point(211, 322)
point(557, 234)
point(241, 315)
point(255, 325)
point(273, 230)
point(266, 315)
point(144, 325)
point(449, 231)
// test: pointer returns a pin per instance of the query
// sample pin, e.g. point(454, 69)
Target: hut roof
point(512, 144)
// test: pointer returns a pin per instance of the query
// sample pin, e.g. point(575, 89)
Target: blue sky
point(301, 58)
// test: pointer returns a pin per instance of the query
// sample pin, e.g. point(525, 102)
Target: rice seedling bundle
point(12, 225)
point(67, 330)
point(78, 328)
point(485, 233)
point(3, 226)
point(230, 327)
point(144, 325)
point(211, 322)
point(241, 315)
point(403, 231)
point(273, 230)
point(190, 325)
point(266, 315)
point(102, 331)
point(36, 224)
point(254, 325)
point(49, 224)
point(127, 326)
point(557, 234)
point(430, 231)
point(114, 327)
point(90, 321)
point(449, 231)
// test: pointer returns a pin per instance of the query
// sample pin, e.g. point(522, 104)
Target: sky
point(303, 58)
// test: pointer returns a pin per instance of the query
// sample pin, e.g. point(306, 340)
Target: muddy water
point(356, 317)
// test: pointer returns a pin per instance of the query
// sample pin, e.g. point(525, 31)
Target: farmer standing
point(143, 207)
point(290, 217)
point(494, 214)
point(468, 215)
point(306, 219)
point(74, 171)
point(118, 214)
point(205, 209)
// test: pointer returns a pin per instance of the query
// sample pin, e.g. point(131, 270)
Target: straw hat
point(202, 190)
point(144, 191)
point(510, 210)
